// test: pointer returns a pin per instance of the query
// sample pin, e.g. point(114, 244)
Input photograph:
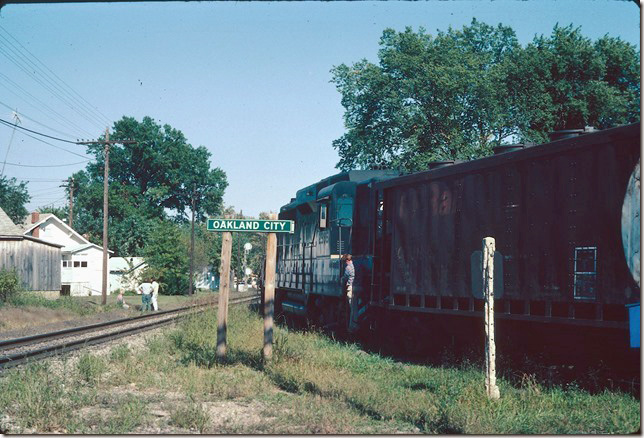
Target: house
point(207, 278)
point(81, 261)
point(37, 262)
point(125, 272)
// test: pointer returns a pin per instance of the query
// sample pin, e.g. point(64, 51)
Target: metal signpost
point(227, 226)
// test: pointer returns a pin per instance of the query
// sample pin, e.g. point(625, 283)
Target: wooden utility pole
point(192, 241)
point(71, 202)
point(224, 290)
point(490, 348)
point(106, 173)
point(269, 291)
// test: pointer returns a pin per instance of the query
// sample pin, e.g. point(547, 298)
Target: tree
point(565, 81)
point(153, 179)
point(13, 197)
point(431, 98)
point(167, 258)
point(459, 93)
point(61, 213)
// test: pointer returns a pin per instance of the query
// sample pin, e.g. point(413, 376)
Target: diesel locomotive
point(565, 216)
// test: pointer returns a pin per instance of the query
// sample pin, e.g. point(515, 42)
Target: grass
point(174, 384)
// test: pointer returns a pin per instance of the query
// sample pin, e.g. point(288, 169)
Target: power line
point(105, 118)
point(51, 165)
point(37, 122)
point(36, 132)
point(84, 108)
point(40, 102)
point(47, 87)
point(13, 132)
point(54, 146)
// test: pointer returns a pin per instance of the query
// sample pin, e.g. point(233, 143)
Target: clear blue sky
point(248, 80)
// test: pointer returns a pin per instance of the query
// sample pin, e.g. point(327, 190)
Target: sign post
point(227, 226)
point(224, 290)
point(490, 348)
point(269, 292)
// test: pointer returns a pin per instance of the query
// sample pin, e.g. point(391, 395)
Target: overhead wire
point(23, 115)
point(50, 144)
point(39, 133)
point(43, 166)
point(49, 88)
point(78, 104)
point(13, 133)
point(40, 102)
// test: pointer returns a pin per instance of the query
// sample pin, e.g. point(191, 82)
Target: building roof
point(7, 227)
point(26, 224)
point(77, 248)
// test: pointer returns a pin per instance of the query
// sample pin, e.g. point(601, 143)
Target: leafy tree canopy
point(459, 93)
point(155, 178)
point(13, 197)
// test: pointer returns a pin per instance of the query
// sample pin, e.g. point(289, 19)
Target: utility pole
point(106, 154)
point(70, 186)
point(192, 240)
point(106, 175)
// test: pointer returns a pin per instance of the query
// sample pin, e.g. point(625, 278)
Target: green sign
point(251, 225)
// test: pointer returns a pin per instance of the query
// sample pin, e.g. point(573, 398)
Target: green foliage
point(566, 81)
point(167, 258)
point(191, 416)
point(61, 213)
point(13, 197)
point(9, 285)
point(73, 304)
point(90, 368)
point(161, 172)
point(459, 93)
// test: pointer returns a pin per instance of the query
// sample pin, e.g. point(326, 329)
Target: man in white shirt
point(146, 291)
point(155, 294)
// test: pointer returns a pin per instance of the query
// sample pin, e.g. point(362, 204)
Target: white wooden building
point(125, 273)
point(82, 261)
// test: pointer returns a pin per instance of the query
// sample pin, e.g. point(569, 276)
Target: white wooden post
point(490, 348)
point(269, 291)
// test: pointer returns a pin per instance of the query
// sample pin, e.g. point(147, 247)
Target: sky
point(248, 80)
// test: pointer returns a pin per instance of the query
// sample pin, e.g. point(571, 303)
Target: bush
point(9, 285)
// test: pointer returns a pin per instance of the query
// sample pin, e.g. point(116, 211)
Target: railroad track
point(17, 351)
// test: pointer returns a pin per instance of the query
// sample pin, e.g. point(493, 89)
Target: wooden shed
point(37, 263)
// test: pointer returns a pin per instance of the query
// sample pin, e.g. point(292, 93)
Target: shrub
point(9, 285)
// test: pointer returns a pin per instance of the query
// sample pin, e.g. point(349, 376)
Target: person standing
point(155, 294)
point(347, 280)
point(146, 292)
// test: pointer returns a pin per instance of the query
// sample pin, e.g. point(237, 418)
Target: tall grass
point(435, 399)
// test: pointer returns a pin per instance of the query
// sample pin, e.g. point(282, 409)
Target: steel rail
point(12, 360)
point(62, 333)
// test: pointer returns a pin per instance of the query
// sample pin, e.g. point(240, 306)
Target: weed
point(90, 368)
point(191, 416)
point(119, 353)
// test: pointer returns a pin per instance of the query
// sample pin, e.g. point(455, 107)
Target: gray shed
point(38, 263)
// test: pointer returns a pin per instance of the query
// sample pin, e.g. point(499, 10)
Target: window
point(585, 273)
point(66, 264)
point(83, 264)
point(323, 215)
point(345, 212)
point(76, 264)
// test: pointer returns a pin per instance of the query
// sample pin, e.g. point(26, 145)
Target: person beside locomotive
point(347, 283)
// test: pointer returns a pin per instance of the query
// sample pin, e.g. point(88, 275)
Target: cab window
point(323, 215)
point(345, 212)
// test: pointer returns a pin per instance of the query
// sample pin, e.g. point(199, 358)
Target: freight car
point(565, 216)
